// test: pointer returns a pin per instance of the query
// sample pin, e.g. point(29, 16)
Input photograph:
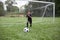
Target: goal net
point(43, 11)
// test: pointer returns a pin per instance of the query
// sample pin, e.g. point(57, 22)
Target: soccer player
point(29, 18)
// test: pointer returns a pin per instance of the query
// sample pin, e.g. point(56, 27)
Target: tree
point(9, 4)
point(1, 9)
point(57, 7)
point(15, 9)
point(26, 8)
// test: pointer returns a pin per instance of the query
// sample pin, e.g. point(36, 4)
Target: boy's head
point(29, 12)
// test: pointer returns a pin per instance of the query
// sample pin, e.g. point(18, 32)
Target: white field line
point(20, 23)
point(34, 22)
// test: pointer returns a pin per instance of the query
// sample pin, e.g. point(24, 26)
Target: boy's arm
point(29, 15)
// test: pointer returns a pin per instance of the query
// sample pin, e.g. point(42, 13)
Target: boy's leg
point(31, 23)
point(27, 24)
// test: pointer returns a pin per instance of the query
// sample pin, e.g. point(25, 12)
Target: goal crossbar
point(42, 7)
point(43, 2)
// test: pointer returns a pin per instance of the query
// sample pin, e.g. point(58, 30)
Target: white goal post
point(48, 4)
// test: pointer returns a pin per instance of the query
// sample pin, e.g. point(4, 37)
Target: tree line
point(11, 8)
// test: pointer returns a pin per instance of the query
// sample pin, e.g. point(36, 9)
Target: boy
point(29, 18)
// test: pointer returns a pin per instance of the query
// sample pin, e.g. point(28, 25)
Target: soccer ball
point(26, 29)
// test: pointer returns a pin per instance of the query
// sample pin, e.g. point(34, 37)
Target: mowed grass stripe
point(39, 31)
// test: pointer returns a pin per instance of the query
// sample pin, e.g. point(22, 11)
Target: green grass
point(11, 28)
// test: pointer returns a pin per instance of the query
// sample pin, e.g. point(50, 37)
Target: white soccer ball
point(26, 29)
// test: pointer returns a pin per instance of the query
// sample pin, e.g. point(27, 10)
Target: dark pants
point(29, 22)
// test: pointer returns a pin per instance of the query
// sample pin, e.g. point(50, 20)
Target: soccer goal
point(43, 11)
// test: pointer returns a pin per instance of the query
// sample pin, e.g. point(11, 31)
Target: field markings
point(34, 22)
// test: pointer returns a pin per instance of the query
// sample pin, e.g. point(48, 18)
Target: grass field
point(11, 28)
